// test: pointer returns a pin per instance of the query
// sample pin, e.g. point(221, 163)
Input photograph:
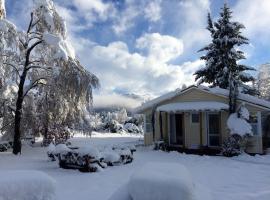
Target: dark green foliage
point(222, 54)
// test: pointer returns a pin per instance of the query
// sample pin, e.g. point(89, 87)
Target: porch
point(192, 127)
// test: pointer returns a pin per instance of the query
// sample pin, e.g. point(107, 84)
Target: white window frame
point(207, 126)
point(194, 123)
point(145, 125)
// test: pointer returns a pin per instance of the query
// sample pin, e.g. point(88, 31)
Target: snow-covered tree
point(222, 57)
point(2, 9)
point(263, 81)
point(240, 130)
point(39, 56)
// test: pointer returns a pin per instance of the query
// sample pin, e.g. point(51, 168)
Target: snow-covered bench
point(89, 159)
point(160, 181)
point(26, 185)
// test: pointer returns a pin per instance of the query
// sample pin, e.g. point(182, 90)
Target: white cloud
point(255, 15)
point(160, 47)
point(108, 101)
point(125, 19)
point(94, 10)
point(117, 68)
point(193, 17)
point(152, 11)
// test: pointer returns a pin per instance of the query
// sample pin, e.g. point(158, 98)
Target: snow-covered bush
point(113, 126)
point(160, 181)
point(89, 158)
point(26, 185)
point(132, 128)
point(240, 131)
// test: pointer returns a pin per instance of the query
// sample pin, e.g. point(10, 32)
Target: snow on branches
point(53, 87)
point(222, 57)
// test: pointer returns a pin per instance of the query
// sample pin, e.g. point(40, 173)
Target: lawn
point(241, 178)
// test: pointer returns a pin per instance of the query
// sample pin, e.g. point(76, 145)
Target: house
point(196, 118)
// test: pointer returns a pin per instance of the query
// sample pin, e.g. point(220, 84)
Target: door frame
point(207, 127)
point(169, 129)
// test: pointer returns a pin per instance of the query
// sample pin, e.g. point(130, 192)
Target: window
point(253, 120)
point(148, 123)
point(195, 118)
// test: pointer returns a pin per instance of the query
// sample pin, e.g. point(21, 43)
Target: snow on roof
point(216, 90)
point(193, 106)
point(244, 97)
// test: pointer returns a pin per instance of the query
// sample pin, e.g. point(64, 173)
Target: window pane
point(148, 118)
point(195, 118)
point(214, 140)
point(213, 124)
point(148, 127)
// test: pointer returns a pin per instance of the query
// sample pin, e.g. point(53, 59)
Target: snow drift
point(26, 185)
point(160, 181)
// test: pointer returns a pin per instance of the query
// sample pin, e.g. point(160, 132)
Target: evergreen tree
point(222, 68)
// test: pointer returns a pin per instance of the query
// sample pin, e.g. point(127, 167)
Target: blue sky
point(148, 47)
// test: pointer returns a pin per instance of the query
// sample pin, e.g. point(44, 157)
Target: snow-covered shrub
point(240, 131)
point(132, 128)
point(57, 135)
point(111, 158)
point(89, 158)
point(26, 185)
point(136, 119)
point(51, 151)
point(113, 126)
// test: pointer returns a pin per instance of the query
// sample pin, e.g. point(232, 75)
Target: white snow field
point(243, 178)
point(26, 185)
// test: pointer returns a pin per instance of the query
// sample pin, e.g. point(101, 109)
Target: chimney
point(2, 9)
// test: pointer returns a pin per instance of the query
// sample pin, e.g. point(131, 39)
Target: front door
point(179, 129)
point(176, 129)
point(213, 129)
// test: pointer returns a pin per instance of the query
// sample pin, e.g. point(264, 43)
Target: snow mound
point(51, 148)
point(61, 148)
point(111, 157)
point(90, 151)
point(238, 125)
point(160, 181)
point(26, 185)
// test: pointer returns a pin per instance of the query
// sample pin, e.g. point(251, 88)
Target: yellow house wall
point(192, 131)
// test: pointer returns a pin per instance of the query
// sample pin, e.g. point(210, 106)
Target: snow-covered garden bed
point(26, 185)
point(88, 158)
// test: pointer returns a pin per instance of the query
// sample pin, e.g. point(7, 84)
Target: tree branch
point(38, 67)
point(3, 127)
point(33, 85)
point(14, 67)
point(30, 24)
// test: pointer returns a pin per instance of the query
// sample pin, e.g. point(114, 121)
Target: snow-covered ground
point(240, 178)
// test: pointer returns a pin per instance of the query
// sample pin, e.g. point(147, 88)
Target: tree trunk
point(18, 115)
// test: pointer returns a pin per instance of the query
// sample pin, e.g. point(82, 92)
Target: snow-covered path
point(227, 179)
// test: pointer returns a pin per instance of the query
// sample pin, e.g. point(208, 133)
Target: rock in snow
point(26, 185)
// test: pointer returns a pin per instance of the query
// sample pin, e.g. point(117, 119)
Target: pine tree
point(222, 68)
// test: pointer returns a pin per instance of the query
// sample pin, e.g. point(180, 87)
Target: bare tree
point(28, 45)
